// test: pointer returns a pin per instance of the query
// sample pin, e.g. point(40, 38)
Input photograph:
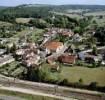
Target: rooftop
point(53, 45)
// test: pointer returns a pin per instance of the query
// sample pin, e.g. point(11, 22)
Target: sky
point(57, 2)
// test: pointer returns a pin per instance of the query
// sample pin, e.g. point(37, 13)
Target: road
point(89, 50)
point(49, 90)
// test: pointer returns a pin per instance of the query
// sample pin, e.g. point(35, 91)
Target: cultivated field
point(4, 24)
point(23, 20)
point(98, 13)
point(76, 11)
point(12, 69)
point(70, 15)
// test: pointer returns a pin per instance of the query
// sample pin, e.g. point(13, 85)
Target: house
point(2, 51)
point(29, 55)
point(20, 52)
point(66, 32)
point(53, 46)
point(53, 65)
point(92, 58)
point(32, 61)
point(67, 59)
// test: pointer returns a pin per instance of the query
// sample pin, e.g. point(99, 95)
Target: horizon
point(53, 5)
point(48, 2)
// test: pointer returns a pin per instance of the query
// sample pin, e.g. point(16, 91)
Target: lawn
point(24, 96)
point(88, 75)
point(75, 73)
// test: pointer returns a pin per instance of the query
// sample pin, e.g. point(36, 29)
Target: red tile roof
point(53, 45)
point(66, 58)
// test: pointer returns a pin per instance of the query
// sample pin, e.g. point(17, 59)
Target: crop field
point(4, 24)
point(98, 13)
point(11, 69)
point(76, 11)
point(70, 15)
point(23, 20)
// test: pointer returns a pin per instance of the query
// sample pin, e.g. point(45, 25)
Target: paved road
point(89, 50)
point(51, 89)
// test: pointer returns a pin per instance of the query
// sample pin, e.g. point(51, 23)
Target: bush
point(93, 85)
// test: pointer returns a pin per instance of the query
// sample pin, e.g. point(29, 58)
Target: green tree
point(94, 51)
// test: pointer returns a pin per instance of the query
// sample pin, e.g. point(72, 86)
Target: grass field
point(75, 73)
point(72, 74)
point(24, 96)
point(23, 20)
point(88, 75)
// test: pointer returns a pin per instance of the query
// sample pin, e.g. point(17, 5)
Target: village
point(56, 46)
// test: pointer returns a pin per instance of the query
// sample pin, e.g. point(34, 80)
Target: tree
point(94, 51)
point(93, 85)
point(13, 48)
point(80, 80)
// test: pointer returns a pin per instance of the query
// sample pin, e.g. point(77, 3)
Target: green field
point(24, 96)
point(71, 73)
point(75, 73)
point(88, 75)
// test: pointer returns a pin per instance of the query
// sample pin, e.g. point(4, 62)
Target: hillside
point(40, 10)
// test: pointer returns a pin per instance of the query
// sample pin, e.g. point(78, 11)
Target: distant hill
point(34, 5)
point(3, 7)
point(42, 10)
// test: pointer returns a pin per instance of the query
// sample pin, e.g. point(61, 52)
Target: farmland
point(97, 13)
point(2, 23)
point(23, 20)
